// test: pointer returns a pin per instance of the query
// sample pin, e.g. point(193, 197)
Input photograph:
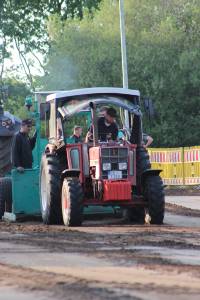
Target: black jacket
point(22, 150)
point(107, 132)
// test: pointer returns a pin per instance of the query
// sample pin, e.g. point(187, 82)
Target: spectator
point(23, 146)
point(147, 140)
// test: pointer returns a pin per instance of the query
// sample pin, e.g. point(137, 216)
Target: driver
point(107, 127)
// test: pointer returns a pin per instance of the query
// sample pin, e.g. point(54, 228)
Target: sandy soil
point(103, 259)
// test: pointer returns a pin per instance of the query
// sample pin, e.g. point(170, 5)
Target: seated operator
point(107, 127)
point(77, 134)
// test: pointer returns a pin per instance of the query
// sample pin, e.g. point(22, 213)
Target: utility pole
point(123, 54)
point(123, 44)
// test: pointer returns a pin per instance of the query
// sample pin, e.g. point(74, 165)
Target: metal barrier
point(181, 166)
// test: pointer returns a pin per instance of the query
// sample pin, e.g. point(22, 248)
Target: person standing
point(147, 140)
point(23, 146)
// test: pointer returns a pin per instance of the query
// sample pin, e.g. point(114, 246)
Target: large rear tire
point(5, 195)
point(72, 202)
point(135, 215)
point(142, 161)
point(50, 190)
point(5, 154)
point(154, 195)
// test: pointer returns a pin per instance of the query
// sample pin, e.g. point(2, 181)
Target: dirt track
point(103, 259)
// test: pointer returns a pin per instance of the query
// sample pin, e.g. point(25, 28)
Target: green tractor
point(70, 179)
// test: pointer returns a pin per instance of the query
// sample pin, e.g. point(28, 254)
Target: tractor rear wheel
point(50, 190)
point(154, 195)
point(5, 157)
point(72, 206)
point(5, 195)
point(135, 215)
point(143, 162)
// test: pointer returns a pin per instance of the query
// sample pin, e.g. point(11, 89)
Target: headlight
point(123, 166)
point(106, 166)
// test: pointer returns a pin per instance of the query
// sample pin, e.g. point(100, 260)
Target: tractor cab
point(102, 162)
point(74, 175)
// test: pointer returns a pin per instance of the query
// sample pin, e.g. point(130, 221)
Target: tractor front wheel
point(72, 206)
point(154, 195)
point(50, 190)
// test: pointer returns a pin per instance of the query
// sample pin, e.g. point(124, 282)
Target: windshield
point(78, 125)
point(76, 105)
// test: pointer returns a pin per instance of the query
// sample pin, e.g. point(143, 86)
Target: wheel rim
point(43, 191)
point(65, 205)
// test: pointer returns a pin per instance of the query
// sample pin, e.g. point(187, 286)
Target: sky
point(13, 66)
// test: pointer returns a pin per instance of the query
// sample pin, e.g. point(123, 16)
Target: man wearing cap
point(23, 146)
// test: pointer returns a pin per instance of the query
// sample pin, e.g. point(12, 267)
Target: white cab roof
point(90, 91)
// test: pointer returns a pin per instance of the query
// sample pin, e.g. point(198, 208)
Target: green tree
point(84, 53)
point(17, 92)
point(23, 25)
point(163, 41)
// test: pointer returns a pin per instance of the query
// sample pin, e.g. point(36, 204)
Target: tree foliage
point(163, 42)
point(16, 94)
point(23, 25)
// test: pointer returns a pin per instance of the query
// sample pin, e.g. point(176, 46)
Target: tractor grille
point(114, 156)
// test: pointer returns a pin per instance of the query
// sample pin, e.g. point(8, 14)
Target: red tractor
point(101, 173)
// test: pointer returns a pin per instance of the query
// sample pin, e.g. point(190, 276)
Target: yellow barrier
point(180, 165)
point(192, 165)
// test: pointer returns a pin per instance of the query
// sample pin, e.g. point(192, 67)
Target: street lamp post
point(123, 44)
point(123, 54)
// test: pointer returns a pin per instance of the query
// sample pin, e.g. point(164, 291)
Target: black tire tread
point(135, 215)
point(53, 214)
point(142, 161)
point(5, 195)
point(75, 194)
point(154, 194)
point(5, 154)
point(142, 164)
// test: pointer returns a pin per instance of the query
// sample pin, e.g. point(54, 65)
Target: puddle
point(10, 293)
point(111, 248)
point(183, 256)
point(7, 235)
point(96, 242)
